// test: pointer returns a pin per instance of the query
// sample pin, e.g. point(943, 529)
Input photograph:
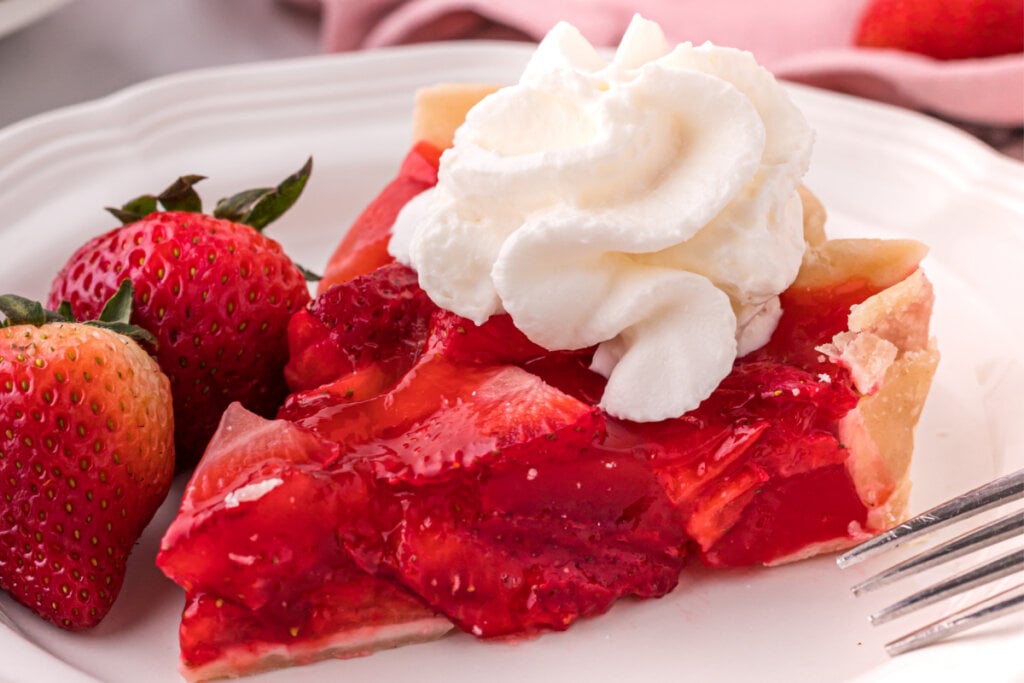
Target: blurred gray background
point(90, 48)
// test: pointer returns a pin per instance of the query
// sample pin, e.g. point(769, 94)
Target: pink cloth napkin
point(803, 40)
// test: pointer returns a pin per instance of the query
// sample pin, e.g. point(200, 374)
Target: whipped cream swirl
point(645, 205)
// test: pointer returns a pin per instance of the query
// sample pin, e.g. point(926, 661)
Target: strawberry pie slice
point(455, 474)
point(430, 471)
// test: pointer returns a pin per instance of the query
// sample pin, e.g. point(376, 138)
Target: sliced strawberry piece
point(800, 468)
point(774, 417)
point(540, 538)
point(355, 387)
point(496, 341)
point(789, 515)
point(499, 341)
point(569, 371)
point(258, 513)
point(496, 575)
point(271, 535)
point(511, 518)
point(801, 408)
point(443, 417)
point(260, 517)
point(765, 421)
point(704, 471)
point(257, 547)
point(246, 442)
point(377, 319)
point(365, 245)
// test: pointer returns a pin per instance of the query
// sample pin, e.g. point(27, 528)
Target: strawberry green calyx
point(179, 196)
point(308, 275)
point(116, 313)
point(18, 310)
point(134, 210)
point(259, 208)
point(256, 208)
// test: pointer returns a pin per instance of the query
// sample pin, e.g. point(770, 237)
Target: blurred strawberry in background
point(944, 29)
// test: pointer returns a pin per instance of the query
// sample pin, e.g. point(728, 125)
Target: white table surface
point(90, 48)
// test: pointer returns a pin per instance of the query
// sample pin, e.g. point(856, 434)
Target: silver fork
point(992, 495)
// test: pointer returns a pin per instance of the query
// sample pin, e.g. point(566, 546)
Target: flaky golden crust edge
point(892, 358)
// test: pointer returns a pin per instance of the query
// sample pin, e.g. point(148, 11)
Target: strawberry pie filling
point(428, 471)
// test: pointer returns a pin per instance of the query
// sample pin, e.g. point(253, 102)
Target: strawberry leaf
point(64, 310)
point(116, 313)
point(271, 205)
point(21, 311)
point(308, 274)
point(235, 207)
point(118, 308)
point(135, 210)
point(181, 196)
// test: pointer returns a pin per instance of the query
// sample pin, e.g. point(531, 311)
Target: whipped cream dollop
point(647, 205)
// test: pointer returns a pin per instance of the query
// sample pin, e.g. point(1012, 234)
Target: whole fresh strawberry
point(944, 29)
point(86, 456)
point(214, 291)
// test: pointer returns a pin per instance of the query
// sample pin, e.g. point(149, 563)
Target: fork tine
point(1003, 490)
point(1008, 601)
point(1004, 565)
point(995, 532)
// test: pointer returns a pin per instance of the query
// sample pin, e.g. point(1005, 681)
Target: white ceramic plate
point(16, 14)
point(881, 172)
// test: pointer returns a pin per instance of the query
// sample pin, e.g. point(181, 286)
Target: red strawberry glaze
point(769, 429)
point(811, 317)
point(790, 514)
point(266, 569)
point(740, 472)
point(445, 417)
